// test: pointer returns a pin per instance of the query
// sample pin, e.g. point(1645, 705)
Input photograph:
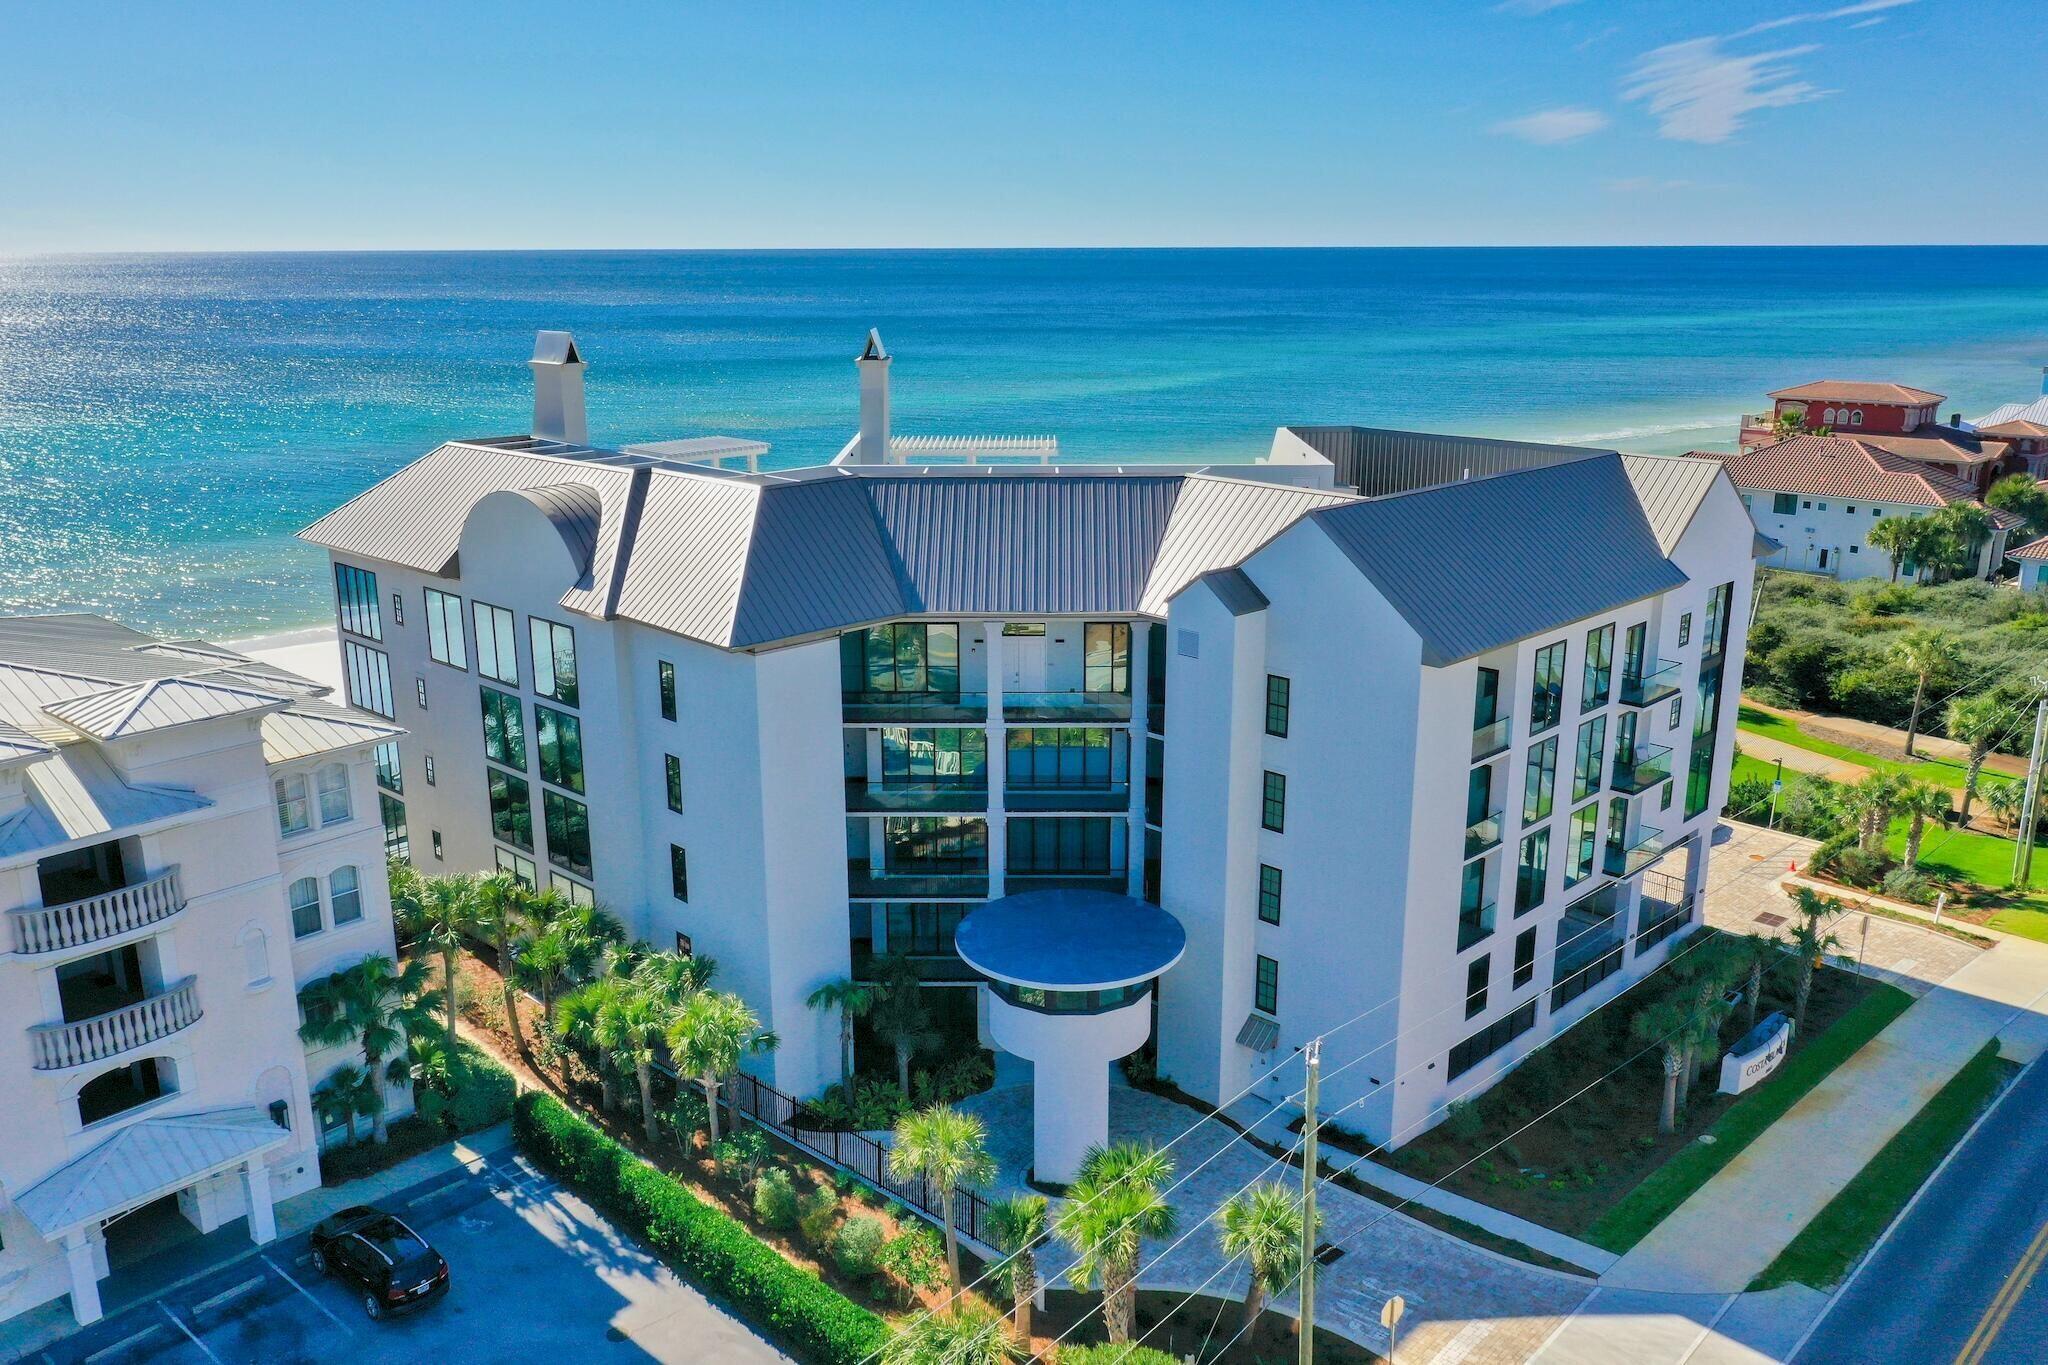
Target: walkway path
point(1798, 760)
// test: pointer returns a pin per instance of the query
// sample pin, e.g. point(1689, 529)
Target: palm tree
point(1787, 423)
point(1663, 1024)
point(505, 902)
point(1964, 525)
point(708, 1037)
point(348, 1093)
point(853, 999)
point(943, 1147)
point(1263, 1225)
point(446, 913)
point(582, 1016)
point(372, 1002)
point(1117, 1200)
point(2023, 496)
point(1018, 1225)
point(426, 1064)
point(633, 1025)
point(1921, 801)
point(407, 886)
point(568, 944)
point(1899, 537)
point(1704, 1011)
point(1810, 942)
point(1872, 802)
point(900, 1016)
point(974, 1336)
point(1926, 654)
point(2005, 800)
point(1981, 723)
point(1757, 954)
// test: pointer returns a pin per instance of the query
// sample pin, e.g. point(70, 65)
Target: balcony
point(870, 966)
point(1114, 881)
point(872, 883)
point(1627, 860)
point(1475, 922)
point(1066, 706)
point(1647, 689)
point(1488, 740)
point(1648, 767)
point(915, 708)
point(1102, 796)
point(1484, 833)
point(78, 924)
point(891, 797)
point(60, 1047)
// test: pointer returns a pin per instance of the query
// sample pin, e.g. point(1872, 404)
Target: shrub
point(916, 1256)
point(775, 1201)
point(956, 1080)
point(793, 1306)
point(1859, 868)
point(687, 1115)
point(1106, 1354)
point(1463, 1121)
point(817, 1215)
point(857, 1250)
point(743, 1154)
point(1748, 796)
point(1905, 884)
point(846, 1182)
point(1831, 849)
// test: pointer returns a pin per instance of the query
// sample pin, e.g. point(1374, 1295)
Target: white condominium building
point(1425, 729)
point(187, 837)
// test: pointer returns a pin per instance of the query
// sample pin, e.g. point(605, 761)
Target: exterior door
point(1023, 663)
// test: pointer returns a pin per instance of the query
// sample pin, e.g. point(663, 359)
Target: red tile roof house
point(2032, 559)
point(1818, 497)
point(1895, 418)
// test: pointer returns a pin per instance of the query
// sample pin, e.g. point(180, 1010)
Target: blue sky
point(258, 125)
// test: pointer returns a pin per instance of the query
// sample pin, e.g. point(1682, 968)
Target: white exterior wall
point(1842, 528)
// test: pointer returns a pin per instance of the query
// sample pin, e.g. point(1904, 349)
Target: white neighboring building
point(794, 720)
point(187, 837)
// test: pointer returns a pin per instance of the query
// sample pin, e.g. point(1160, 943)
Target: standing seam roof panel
point(816, 563)
point(1217, 523)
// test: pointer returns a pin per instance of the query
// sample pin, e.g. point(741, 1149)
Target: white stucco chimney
point(558, 389)
point(873, 363)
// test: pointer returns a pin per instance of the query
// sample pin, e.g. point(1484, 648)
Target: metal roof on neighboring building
point(1236, 591)
point(2016, 419)
point(16, 744)
point(141, 708)
point(74, 795)
point(1378, 461)
point(1857, 391)
point(306, 729)
point(1531, 571)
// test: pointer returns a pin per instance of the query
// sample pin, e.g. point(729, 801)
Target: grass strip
point(1943, 772)
point(1857, 1216)
point(1671, 1184)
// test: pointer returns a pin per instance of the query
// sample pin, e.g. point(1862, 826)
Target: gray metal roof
point(1236, 591)
point(577, 514)
point(144, 1160)
point(1378, 462)
point(160, 704)
point(1219, 522)
point(1671, 489)
point(1070, 940)
point(1476, 565)
point(75, 795)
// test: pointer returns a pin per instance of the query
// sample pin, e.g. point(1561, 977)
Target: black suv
point(387, 1262)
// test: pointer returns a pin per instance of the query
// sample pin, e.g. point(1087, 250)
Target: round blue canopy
point(1070, 940)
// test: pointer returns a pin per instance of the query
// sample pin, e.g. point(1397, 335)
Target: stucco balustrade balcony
point(1647, 767)
point(83, 1042)
point(1650, 687)
point(77, 924)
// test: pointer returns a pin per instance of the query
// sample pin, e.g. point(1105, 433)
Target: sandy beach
point(312, 653)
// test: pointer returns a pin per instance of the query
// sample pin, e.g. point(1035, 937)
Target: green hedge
point(799, 1310)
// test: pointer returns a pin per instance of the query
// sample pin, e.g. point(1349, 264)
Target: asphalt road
point(1959, 1279)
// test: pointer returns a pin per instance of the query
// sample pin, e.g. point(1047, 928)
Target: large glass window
point(1525, 959)
point(1585, 839)
point(554, 661)
point(390, 775)
point(1490, 1040)
point(368, 674)
point(1632, 652)
point(1477, 974)
point(304, 895)
point(345, 895)
point(1266, 986)
point(923, 930)
point(1599, 679)
point(672, 775)
point(504, 729)
point(559, 738)
point(1486, 699)
point(445, 642)
point(568, 824)
point(1539, 781)
point(397, 837)
point(497, 643)
point(1081, 844)
point(1546, 689)
point(901, 656)
point(1106, 657)
point(511, 810)
point(355, 592)
point(665, 674)
point(1592, 754)
point(520, 869)
point(1062, 756)
point(1714, 638)
point(1273, 803)
point(1269, 893)
point(1532, 871)
point(1279, 692)
point(936, 756)
point(935, 844)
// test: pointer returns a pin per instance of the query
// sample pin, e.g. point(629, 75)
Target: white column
point(1138, 757)
point(998, 754)
point(262, 1220)
point(85, 1278)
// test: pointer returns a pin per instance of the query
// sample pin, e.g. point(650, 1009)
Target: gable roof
point(308, 728)
point(2034, 551)
point(144, 1160)
point(2016, 419)
point(141, 708)
point(1940, 445)
point(73, 794)
point(1464, 594)
point(1670, 489)
point(1858, 391)
point(1843, 467)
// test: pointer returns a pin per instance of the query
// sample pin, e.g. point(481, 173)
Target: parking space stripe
point(310, 1296)
point(179, 1323)
point(124, 1344)
point(231, 1293)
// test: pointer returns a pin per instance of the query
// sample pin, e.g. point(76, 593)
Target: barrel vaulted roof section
point(1473, 566)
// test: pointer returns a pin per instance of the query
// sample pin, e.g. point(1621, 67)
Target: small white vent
point(1190, 645)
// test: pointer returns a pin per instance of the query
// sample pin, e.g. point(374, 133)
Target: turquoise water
point(167, 422)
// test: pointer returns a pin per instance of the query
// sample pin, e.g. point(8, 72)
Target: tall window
point(901, 656)
point(559, 738)
point(1266, 986)
point(1632, 651)
point(943, 756)
point(355, 592)
point(921, 929)
point(1546, 691)
point(390, 775)
point(568, 824)
point(1532, 871)
point(674, 777)
point(521, 869)
point(1273, 804)
point(497, 643)
point(304, 895)
point(554, 661)
point(445, 643)
point(1477, 972)
point(1685, 628)
point(511, 809)
point(1539, 781)
point(1599, 681)
point(1592, 752)
point(1585, 838)
point(504, 729)
point(1269, 893)
point(368, 673)
point(1039, 757)
point(331, 783)
point(294, 805)
point(1715, 637)
point(1278, 692)
point(666, 673)
point(1076, 844)
point(1617, 828)
point(345, 895)
point(678, 872)
point(1106, 657)
point(397, 838)
point(1525, 959)
point(1486, 699)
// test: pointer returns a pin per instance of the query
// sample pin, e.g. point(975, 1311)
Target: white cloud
point(1532, 6)
point(1821, 16)
point(1698, 91)
point(1549, 127)
point(1868, 23)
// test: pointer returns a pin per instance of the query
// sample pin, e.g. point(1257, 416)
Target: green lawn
point(1854, 1219)
point(1943, 771)
point(1671, 1184)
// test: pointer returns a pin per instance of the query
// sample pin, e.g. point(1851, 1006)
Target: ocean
point(167, 422)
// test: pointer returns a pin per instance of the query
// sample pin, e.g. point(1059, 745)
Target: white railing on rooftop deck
point(52, 928)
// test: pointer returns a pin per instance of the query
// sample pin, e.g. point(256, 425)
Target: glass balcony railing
point(882, 883)
point(1648, 767)
point(1475, 922)
point(1647, 689)
point(1071, 704)
point(1113, 880)
point(914, 706)
point(1105, 796)
point(1483, 833)
point(1627, 860)
point(1488, 740)
point(862, 795)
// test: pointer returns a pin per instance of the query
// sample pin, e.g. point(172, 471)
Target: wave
point(1658, 429)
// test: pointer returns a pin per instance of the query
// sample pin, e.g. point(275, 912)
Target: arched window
point(1827, 417)
point(294, 811)
point(1856, 418)
point(305, 900)
point(256, 956)
point(123, 1088)
point(332, 782)
point(345, 895)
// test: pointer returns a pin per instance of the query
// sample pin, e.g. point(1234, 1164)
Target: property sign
point(1757, 1055)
